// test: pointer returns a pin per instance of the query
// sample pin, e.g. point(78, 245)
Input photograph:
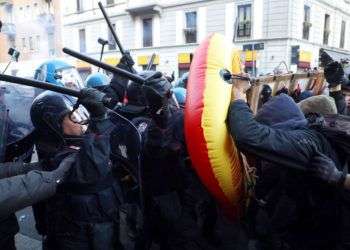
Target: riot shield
point(126, 143)
point(16, 127)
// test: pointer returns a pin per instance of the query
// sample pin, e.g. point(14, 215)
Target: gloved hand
point(60, 173)
point(157, 91)
point(334, 74)
point(324, 168)
point(92, 99)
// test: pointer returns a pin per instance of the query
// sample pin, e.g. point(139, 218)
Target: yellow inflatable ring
point(212, 150)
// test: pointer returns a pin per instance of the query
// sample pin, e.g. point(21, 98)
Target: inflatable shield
point(213, 152)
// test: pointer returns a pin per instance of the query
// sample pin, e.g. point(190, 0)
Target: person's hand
point(239, 89)
point(324, 168)
point(92, 100)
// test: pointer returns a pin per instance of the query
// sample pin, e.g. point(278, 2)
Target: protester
point(320, 104)
point(294, 169)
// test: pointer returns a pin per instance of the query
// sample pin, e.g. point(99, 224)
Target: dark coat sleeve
point(295, 147)
point(339, 99)
point(10, 169)
point(24, 190)
point(92, 162)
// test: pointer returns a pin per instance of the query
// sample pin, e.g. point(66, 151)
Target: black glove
point(324, 168)
point(92, 99)
point(157, 91)
point(334, 74)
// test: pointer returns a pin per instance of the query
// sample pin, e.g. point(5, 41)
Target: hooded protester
point(295, 207)
point(321, 104)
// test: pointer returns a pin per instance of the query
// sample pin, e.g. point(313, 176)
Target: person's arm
point(93, 157)
point(9, 169)
point(294, 148)
point(339, 99)
point(325, 169)
point(24, 190)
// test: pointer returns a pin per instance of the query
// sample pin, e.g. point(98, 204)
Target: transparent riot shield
point(16, 129)
point(126, 143)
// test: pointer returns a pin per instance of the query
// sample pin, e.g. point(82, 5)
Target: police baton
point(129, 60)
point(107, 67)
point(47, 86)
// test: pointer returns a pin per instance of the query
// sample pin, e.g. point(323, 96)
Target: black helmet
point(265, 93)
point(47, 113)
point(134, 94)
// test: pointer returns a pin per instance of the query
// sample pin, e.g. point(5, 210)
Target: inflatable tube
point(211, 148)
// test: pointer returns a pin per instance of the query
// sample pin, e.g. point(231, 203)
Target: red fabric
point(194, 132)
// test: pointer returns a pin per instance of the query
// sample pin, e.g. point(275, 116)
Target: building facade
point(34, 29)
point(270, 33)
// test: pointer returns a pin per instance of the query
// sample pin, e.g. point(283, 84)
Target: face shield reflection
point(70, 78)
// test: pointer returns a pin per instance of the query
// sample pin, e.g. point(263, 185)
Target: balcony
point(6, 2)
point(136, 8)
point(8, 29)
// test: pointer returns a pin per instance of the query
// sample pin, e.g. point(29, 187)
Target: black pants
point(86, 236)
point(7, 242)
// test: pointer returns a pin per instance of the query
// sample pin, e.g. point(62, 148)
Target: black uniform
point(84, 212)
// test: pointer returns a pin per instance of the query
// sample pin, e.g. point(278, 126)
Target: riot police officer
point(83, 213)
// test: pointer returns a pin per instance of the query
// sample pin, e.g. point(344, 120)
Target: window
point(191, 27)
point(147, 32)
point(326, 30)
point(244, 20)
point(80, 6)
point(31, 44)
point(35, 10)
point(110, 2)
point(82, 40)
point(306, 24)
point(37, 42)
point(23, 43)
point(342, 34)
point(28, 13)
point(111, 42)
point(51, 41)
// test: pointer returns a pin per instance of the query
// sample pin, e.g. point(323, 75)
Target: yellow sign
point(305, 56)
point(143, 60)
point(184, 58)
point(112, 60)
point(251, 55)
point(82, 64)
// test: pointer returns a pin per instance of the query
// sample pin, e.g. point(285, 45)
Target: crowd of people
point(114, 176)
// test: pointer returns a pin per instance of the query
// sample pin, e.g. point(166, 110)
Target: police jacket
point(89, 193)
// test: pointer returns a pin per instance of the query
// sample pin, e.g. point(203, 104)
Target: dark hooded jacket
point(295, 210)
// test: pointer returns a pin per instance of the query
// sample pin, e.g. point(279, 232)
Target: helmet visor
point(70, 78)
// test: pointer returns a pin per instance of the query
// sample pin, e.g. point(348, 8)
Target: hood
point(281, 112)
point(321, 104)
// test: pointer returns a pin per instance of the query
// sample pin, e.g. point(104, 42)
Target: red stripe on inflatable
point(195, 140)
